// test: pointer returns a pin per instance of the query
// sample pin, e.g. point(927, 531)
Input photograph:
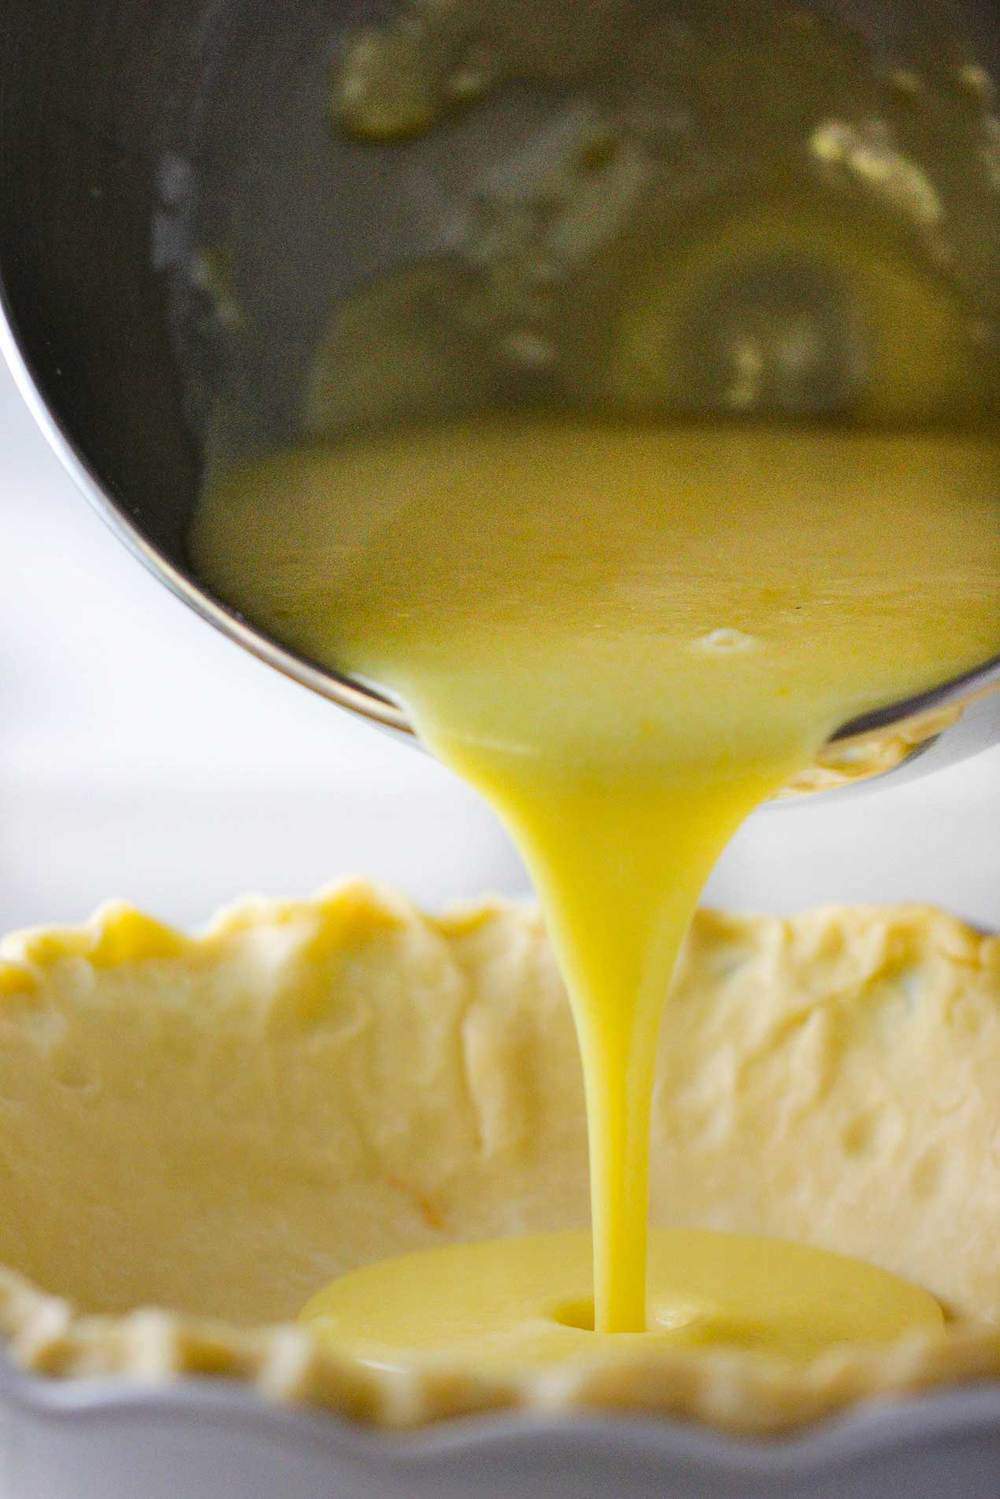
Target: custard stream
point(627, 636)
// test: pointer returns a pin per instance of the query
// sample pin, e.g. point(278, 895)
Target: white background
point(143, 755)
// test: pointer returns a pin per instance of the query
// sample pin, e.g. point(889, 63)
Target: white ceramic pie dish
point(203, 1439)
point(133, 1179)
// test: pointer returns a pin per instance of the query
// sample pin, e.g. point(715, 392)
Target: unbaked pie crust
point(197, 1133)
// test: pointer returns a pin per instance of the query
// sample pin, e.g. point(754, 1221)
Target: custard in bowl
point(198, 1134)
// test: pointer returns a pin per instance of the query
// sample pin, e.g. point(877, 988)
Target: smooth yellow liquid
point(627, 636)
point(516, 1303)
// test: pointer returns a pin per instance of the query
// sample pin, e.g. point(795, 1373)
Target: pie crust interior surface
point(197, 1133)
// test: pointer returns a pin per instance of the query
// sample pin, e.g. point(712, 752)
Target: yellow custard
point(627, 636)
point(515, 1303)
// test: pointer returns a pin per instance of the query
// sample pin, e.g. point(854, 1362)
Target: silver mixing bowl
point(181, 224)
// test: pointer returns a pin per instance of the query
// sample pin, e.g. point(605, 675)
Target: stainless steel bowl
point(167, 262)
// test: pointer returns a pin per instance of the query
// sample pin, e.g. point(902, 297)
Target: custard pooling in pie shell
point(217, 1126)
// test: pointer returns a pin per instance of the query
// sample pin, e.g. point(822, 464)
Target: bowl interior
point(184, 229)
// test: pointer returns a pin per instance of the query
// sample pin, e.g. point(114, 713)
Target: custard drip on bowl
point(716, 209)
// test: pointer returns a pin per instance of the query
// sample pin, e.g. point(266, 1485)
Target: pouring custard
point(627, 636)
point(630, 623)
